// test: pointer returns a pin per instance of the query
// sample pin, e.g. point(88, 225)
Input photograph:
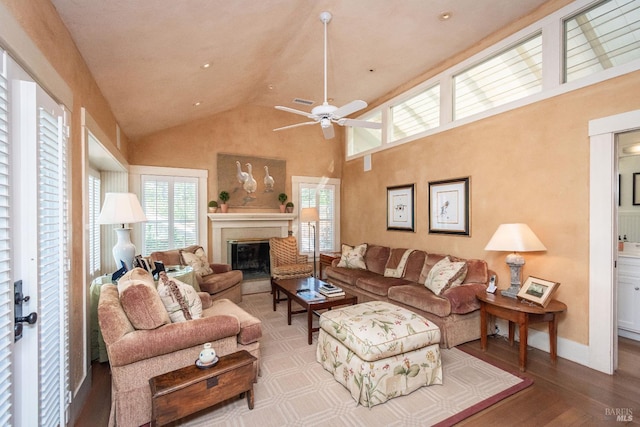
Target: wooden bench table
point(190, 389)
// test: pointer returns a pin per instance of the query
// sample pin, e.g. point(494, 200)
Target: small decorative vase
point(213, 210)
point(224, 207)
point(282, 208)
point(207, 355)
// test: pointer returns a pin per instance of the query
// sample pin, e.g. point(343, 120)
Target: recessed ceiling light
point(197, 103)
point(205, 65)
point(444, 16)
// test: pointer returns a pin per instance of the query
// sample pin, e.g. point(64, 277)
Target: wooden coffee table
point(292, 287)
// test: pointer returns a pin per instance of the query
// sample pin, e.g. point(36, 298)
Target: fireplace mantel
point(273, 224)
point(255, 216)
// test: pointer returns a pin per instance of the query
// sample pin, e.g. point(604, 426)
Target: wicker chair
point(286, 262)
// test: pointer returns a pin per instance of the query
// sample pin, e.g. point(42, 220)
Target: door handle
point(30, 319)
point(19, 298)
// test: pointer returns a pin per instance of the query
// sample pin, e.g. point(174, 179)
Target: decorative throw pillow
point(353, 257)
point(446, 274)
point(198, 261)
point(180, 300)
point(140, 300)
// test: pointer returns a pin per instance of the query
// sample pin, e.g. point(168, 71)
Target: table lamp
point(122, 208)
point(514, 238)
point(311, 216)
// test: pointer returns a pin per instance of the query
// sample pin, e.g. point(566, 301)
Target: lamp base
point(124, 250)
point(512, 292)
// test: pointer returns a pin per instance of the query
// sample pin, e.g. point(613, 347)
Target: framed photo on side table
point(400, 208)
point(449, 206)
point(538, 290)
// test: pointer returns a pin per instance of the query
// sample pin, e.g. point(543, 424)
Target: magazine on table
point(332, 294)
point(309, 295)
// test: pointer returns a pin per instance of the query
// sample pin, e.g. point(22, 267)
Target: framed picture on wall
point(400, 208)
point(449, 206)
point(636, 188)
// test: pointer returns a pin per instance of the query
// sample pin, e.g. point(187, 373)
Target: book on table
point(330, 290)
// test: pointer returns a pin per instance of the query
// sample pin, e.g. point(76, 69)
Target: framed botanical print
point(449, 206)
point(400, 208)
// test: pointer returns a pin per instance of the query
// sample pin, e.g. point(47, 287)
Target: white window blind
point(52, 267)
point(417, 114)
point(324, 198)
point(508, 76)
point(6, 285)
point(171, 207)
point(602, 37)
point(94, 227)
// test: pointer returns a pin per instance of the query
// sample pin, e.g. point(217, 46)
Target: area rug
point(294, 390)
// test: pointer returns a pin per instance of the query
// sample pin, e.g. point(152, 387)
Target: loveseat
point(143, 341)
point(398, 275)
point(220, 281)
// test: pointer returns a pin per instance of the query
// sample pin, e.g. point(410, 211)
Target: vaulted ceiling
point(148, 56)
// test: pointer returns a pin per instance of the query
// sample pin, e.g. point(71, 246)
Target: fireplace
point(251, 256)
point(254, 226)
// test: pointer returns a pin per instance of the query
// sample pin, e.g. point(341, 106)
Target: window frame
point(135, 181)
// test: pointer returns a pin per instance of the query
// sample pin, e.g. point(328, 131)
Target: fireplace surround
point(241, 226)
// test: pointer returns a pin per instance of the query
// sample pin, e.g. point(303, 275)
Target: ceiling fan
point(326, 114)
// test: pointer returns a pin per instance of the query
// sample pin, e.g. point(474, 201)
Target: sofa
point(219, 280)
point(144, 338)
point(398, 276)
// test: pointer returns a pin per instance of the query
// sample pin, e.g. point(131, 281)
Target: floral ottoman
point(379, 351)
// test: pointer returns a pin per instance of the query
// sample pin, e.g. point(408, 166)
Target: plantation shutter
point(6, 286)
point(171, 207)
point(52, 266)
point(322, 197)
point(94, 226)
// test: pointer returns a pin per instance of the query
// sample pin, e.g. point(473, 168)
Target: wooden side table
point(523, 314)
point(326, 258)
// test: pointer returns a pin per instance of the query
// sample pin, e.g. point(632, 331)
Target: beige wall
point(43, 26)
point(246, 130)
point(529, 165)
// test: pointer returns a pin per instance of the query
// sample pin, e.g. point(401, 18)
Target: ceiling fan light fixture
point(325, 122)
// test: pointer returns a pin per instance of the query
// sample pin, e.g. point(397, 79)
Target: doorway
point(603, 248)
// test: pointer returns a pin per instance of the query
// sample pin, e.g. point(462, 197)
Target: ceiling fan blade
point(359, 123)
point(294, 111)
point(349, 108)
point(328, 132)
point(296, 125)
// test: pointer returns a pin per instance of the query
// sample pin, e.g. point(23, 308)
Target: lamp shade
point(121, 208)
point(514, 238)
point(309, 215)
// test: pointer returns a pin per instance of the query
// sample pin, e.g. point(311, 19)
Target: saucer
point(201, 365)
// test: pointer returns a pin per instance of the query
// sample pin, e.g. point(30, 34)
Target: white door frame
point(602, 237)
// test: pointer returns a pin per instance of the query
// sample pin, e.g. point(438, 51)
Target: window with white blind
point(508, 76)
point(171, 207)
point(416, 114)
point(604, 36)
point(94, 226)
point(324, 194)
point(6, 285)
point(361, 140)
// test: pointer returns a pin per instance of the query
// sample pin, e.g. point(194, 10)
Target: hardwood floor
point(561, 395)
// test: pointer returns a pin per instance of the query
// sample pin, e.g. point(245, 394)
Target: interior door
point(38, 214)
